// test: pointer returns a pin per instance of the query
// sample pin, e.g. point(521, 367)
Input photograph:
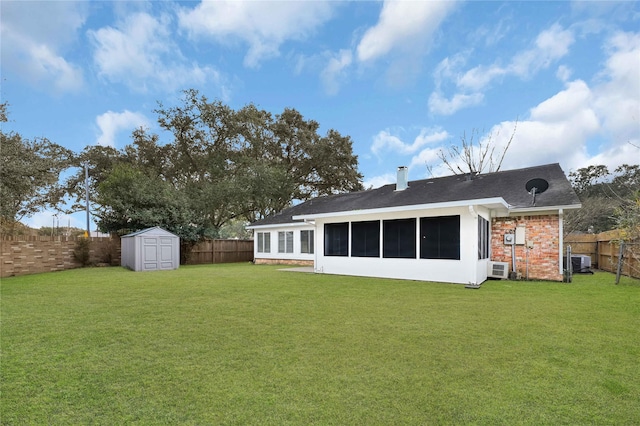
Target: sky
point(404, 79)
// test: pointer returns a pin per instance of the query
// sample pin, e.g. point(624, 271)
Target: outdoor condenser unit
point(498, 269)
point(580, 263)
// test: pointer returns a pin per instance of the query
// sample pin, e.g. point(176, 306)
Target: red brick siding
point(543, 231)
point(283, 262)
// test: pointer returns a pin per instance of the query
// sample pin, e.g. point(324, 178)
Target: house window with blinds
point(306, 241)
point(285, 242)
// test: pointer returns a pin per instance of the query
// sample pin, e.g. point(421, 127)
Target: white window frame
point(309, 241)
point(264, 242)
point(285, 241)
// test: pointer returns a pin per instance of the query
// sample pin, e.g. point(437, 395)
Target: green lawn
point(243, 344)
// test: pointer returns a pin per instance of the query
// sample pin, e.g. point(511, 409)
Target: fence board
point(221, 251)
point(604, 251)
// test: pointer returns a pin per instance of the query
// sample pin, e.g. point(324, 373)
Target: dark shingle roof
point(509, 185)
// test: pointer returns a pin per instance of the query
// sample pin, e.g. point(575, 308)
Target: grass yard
point(242, 344)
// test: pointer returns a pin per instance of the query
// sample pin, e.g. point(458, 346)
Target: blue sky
point(403, 79)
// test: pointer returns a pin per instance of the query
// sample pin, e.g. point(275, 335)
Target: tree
point(221, 166)
point(475, 155)
point(248, 164)
point(609, 199)
point(100, 161)
point(130, 200)
point(29, 174)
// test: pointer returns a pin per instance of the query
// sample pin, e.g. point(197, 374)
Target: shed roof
point(153, 230)
point(510, 185)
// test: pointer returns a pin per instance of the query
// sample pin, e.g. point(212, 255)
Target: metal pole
point(86, 187)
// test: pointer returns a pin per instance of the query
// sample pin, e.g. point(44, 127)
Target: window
point(285, 242)
point(483, 238)
point(365, 239)
point(264, 242)
point(399, 238)
point(440, 237)
point(336, 239)
point(306, 241)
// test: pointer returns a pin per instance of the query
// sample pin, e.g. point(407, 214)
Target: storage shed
point(150, 249)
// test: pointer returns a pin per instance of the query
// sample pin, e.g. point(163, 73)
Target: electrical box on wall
point(509, 239)
point(520, 235)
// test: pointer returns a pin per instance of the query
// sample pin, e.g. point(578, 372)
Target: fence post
point(620, 257)
point(568, 272)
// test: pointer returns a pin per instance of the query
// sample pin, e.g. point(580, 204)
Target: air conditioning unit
point(580, 263)
point(498, 270)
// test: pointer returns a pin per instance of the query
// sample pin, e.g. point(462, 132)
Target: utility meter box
point(520, 235)
point(509, 239)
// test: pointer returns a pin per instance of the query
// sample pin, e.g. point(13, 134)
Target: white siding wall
point(466, 270)
point(273, 230)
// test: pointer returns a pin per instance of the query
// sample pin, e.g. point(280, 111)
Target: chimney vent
point(403, 178)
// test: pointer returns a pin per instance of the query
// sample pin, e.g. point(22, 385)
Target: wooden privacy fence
point(604, 250)
point(221, 251)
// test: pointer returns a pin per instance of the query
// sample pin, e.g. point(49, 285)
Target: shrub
point(81, 251)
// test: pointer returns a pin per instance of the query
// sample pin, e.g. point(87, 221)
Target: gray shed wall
point(150, 250)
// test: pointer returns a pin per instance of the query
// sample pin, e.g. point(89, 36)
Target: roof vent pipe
point(403, 178)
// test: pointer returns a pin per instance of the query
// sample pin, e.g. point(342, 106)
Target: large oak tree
point(29, 175)
point(219, 165)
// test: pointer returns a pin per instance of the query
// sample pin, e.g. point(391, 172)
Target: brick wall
point(543, 232)
point(29, 255)
point(283, 262)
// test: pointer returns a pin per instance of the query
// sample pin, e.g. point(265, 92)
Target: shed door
point(157, 253)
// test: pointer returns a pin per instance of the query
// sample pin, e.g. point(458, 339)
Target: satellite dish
point(539, 184)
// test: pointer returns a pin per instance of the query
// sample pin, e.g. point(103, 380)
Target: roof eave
point(295, 223)
point(538, 210)
point(496, 202)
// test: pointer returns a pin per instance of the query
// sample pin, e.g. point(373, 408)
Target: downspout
point(561, 239)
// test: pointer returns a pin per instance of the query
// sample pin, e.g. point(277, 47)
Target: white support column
point(561, 239)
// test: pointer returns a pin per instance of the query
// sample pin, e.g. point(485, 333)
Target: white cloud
point(438, 104)
point(378, 181)
point(264, 26)
point(111, 123)
point(424, 161)
point(33, 39)
point(550, 45)
point(140, 53)
point(385, 141)
point(555, 131)
point(334, 73)
point(562, 128)
point(402, 25)
point(617, 98)
point(562, 106)
point(564, 73)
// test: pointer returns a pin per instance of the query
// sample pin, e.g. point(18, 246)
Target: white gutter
point(515, 209)
point(495, 202)
point(279, 225)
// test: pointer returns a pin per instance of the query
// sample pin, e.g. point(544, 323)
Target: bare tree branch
point(473, 155)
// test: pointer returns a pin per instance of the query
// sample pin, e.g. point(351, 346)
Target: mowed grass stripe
point(247, 344)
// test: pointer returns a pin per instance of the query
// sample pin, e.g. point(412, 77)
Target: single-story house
point(458, 229)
